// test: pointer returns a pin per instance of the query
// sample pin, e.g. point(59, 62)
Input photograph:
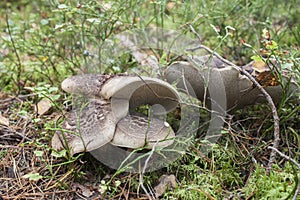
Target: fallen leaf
point(260, 66)
point(264, 66)
point(4, 121)
point(83, 190)
point(165, 182)
point(43, 106)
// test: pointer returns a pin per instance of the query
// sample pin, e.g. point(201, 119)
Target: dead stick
point(141, 182)
point(293, 161)
point(265, 93)
point(19, 64)
point(286, 157)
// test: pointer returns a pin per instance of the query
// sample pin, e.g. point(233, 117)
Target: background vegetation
point(43, 42)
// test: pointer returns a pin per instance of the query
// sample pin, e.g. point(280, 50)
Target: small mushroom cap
point(221, 85)
point(136, 131)
point(238, 89)
point(141, 91)
point(86, 129)
point(87, 84)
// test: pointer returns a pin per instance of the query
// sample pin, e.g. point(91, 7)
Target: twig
point(296, 192)
point(197, 34)
point(155, 93)
point(293, 161)
point(144, 170)
point(286, 157)
point(18, 97)
point(42, 194)
point(16, 52)
point(265, 93)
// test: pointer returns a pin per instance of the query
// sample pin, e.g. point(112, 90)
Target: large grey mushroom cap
point(136, 131)
point(86, 129)
point(210, 84)
point(203, 77)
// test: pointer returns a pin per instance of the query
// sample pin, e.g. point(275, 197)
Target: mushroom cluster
point(110, 117)
point(109, 114)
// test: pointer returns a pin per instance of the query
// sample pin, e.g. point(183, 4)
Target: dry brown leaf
point(3, 95)
point(165, 181)
point(43, 106)
point(260, 66)
point(264, 75)
point(86, 191)
point(4, 121)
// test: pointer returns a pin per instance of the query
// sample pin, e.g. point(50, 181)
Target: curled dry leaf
point(260, 66)
point(165, 182)
point(43, 106)
point(4, 121)
point(84, 190)
point(267, 78)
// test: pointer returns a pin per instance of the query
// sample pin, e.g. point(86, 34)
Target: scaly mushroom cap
point(136, 131)
point(106, 116)
point(124, 90)
point(86, 129)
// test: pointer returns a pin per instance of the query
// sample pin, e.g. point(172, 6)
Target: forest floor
point(44, 42)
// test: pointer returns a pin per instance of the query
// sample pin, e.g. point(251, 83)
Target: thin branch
point(265, 93)
point(197, 34)
point(296, 192)
point(16, 52)
point(286, 157)
point(144, 170)
point(293, 161)
point(18, 97)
